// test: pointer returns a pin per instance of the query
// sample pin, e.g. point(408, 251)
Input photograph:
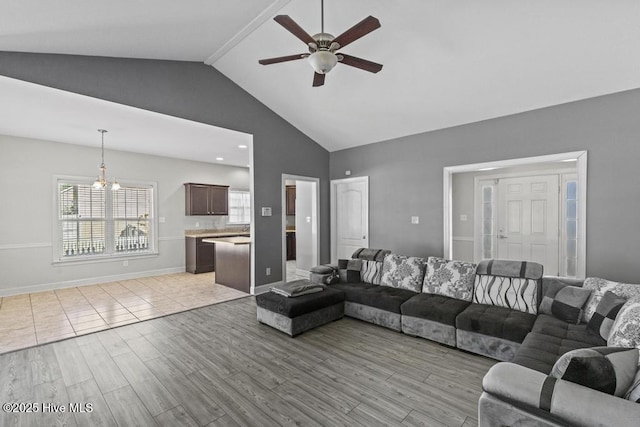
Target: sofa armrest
point(326, 274)
point(569, 402)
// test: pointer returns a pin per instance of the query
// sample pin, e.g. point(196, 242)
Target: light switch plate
point(266, 211)
point(464, 217)
point(415, 220)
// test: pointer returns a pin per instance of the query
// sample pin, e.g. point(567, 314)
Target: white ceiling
point(34, 111)
point(446, 63)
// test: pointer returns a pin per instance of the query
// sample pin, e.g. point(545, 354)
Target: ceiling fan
point(323, 47)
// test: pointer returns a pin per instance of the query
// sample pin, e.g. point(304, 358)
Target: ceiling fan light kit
point(323, 47)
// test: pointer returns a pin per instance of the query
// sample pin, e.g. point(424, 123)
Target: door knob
point(502, 236)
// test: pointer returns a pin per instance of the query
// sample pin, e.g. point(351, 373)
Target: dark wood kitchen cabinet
point(205, 199)
point(291, 245)
point(291, 199)
point(200, 257)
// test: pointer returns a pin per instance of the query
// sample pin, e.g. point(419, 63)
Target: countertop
point(209, 233)
point(237, 240)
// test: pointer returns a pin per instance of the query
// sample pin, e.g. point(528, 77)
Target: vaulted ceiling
point(446, 63)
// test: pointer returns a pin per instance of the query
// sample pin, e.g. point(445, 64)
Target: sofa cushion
point(294, 307)
point(349, 270)
point(549, 339)
point(371, 272)
point(450, 278)
point(370, 254)
point(510, 284)
point(600, 287)
point(564, 302)
point(633, 393)
point(554, 327)
point(494, 321)
point(606, 369)
point(626, 329)
point(382, 297)
point(403, 272)
point(602, 320)
point(438, 308)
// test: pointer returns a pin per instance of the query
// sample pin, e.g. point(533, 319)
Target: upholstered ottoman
point(294, 315)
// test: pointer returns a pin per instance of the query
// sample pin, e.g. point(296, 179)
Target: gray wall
point(197, 92)
point(406, 175)
point(27, 168)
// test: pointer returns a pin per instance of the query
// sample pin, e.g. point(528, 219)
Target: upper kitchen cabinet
point(291, 199)
point(205, 199)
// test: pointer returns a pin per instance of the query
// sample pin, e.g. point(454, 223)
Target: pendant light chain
point(322, 16)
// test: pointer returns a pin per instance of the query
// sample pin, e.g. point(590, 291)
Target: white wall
point(27, 168)
point(306, 225)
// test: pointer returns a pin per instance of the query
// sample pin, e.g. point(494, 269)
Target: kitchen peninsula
point(233, 261)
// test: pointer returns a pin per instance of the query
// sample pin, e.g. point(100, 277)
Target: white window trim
point(581, 167)
point(85, 259)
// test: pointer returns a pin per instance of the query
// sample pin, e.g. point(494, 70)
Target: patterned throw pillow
point(511, 292)
point(564, 302)
point(449, 278)
point(602, 320)
point(606, 369)
point(371, 272)
point(625, 331)
point(600, 287)
point(403, 272)
point(634, 391)
point(349, 270)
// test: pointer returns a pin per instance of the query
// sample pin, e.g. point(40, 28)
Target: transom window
point(96, 223)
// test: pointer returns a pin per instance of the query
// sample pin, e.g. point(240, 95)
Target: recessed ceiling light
point(219, 159)
point(242, 146)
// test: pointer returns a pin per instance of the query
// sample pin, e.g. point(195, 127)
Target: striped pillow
point(371, 272)
point(511, 292)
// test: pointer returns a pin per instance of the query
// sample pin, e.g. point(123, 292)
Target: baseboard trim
point(261, 289)
point(88, 281)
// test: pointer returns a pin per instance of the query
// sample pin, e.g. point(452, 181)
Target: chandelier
point(101, 181)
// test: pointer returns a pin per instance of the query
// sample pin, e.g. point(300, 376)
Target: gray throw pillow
point(607, 369)
point(605, 315)
point(564, 302)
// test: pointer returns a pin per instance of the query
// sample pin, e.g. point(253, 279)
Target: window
point(103, 223)
point(570, 226)
point(487, 222)
point(239, 207)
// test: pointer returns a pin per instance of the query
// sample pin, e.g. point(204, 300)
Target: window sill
point(104, 258)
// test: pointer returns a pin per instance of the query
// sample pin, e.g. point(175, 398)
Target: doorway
point(300, 223)
point(528, 209)
point(349, 216)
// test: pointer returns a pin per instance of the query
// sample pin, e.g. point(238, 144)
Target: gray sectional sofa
point(505, 310)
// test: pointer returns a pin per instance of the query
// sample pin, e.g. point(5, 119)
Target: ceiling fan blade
point(318, 79)
point(281, 59)
point(295, 29)
point(359, 30)
point(363, 64)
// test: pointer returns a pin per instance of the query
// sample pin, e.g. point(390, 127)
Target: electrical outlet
point(268, 271)
point(162, 220)
point(197, 224)
point(464, 217)
point(415, 220)
point(125, 263)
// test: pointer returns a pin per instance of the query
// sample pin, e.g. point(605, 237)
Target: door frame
point(283, 230)
point(580, 158)
point(334, 213)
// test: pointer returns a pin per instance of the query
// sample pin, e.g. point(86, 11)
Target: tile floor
point(37, 318)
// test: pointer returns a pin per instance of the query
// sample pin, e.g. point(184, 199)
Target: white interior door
point(350, 216)
point(527, 220)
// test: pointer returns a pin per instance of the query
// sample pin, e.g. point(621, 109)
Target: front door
point(527, 220)
point(350, 216)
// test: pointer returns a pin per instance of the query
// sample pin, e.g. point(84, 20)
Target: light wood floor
point(217, 366)
point(42, 317)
